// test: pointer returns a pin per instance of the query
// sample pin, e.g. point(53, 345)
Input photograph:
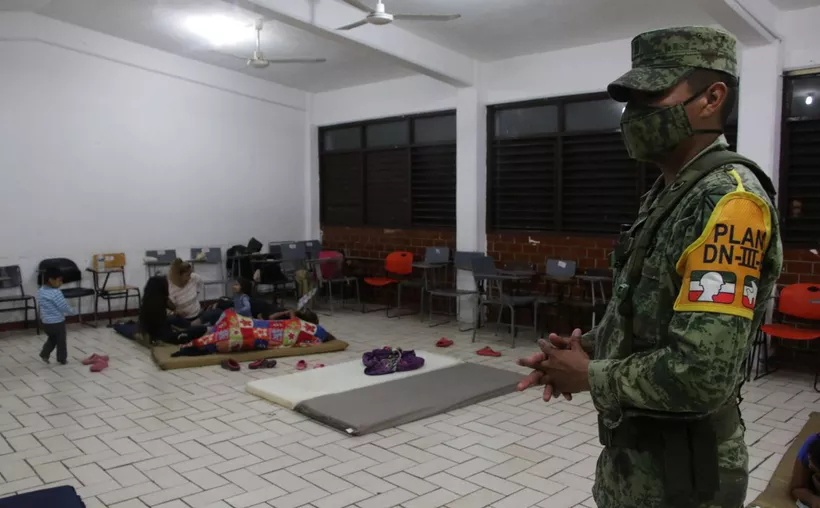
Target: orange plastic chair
point(799, 305)
point(396, 263)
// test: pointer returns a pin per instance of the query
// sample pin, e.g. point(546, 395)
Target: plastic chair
point(210, 256)
point(799, 308)
point(399, 264)
point(435, 258)
point(462, 261)
point(108, 264)
point(490, 286)
point(330, 272)
point(559, 271)
point(12, 278)
point(156, 259)
point(71, 275)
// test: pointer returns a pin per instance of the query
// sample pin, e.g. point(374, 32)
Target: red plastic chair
point(799, 306)
point(395, 264)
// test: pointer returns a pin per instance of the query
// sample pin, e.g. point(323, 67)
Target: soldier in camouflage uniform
point(692, 279)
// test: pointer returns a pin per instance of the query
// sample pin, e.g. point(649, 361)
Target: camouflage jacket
point(693, 324)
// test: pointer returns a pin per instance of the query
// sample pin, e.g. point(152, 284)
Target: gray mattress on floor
point(374, 408)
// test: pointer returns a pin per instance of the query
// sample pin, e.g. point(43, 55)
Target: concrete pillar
point(760, 106)
point(311, 176)
point(471, 177)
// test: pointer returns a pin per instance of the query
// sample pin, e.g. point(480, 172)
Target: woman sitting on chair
point(805, 484)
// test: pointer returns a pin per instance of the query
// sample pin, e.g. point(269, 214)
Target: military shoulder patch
point(721, 269)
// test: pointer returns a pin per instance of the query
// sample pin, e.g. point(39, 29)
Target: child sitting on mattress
point(805, 474)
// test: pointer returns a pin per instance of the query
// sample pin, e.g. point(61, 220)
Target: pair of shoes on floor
point(488, 351)
point(302, 365)
point(234, 366)
point(97, 362)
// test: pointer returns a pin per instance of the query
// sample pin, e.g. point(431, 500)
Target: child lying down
point(234, 333)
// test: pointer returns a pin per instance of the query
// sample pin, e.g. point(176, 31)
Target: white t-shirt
point(186, 299)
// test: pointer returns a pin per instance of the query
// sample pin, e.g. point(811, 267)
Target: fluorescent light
point(809, 99)
point(219, 30)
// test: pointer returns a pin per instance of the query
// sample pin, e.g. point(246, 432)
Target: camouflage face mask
point(649, 132)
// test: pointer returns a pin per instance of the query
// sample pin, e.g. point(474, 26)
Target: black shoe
point(44, 358)
point(62, 362)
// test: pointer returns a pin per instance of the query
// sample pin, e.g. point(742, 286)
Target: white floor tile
point(135, 437)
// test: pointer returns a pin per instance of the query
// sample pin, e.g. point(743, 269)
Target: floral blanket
point(234, 333)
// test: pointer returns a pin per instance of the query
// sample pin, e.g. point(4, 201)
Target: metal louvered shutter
point(433, 177)
point(521, 177)
point(387, 187)
point(341, 189)
point(600, 183)
point(800, 182)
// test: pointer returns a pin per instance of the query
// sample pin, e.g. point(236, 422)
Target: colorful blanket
point(234, 333)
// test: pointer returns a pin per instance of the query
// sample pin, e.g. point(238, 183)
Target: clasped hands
point(562, 366)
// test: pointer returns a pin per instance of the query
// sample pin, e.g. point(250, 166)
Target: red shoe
point(267, 363)
point(94, 358)
point(100, 364)
point(230, 364)
point(487, 351)
point(301, 365)
point(444, 342)
point(318, 365)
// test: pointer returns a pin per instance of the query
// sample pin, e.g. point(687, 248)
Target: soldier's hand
point(568, 369)
point(537, 362)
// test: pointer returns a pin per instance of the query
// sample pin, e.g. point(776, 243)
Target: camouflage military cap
point(662, 58)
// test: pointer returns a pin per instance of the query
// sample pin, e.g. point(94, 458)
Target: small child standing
point(53, 309)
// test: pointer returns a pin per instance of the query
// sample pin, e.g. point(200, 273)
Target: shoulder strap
point(702, 167)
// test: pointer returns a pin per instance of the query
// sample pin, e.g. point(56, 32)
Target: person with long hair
point(153, 317)
point(155, 323)
point(184, 290)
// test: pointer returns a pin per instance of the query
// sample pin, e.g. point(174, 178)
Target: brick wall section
point(589, 252)
point(800, 265)
point(379, 242)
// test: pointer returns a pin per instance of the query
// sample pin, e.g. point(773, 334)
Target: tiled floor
point(133, 436)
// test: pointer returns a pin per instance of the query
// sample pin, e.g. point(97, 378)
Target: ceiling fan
point(258, 60)
point(379, 16)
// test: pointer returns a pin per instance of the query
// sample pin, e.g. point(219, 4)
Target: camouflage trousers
point(632, 479)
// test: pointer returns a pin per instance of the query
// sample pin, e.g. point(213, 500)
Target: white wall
point(395, 97)
point(108, 146)
point(802, 40)
point(585, 69)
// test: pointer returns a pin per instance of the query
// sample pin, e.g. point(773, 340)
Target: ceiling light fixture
point(809, 99)
point(218, 30)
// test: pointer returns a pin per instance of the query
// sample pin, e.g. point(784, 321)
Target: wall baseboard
point(102, 320)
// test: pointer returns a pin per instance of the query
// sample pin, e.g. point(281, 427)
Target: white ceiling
point(160, 24)
point(793, 5)
point(497, 29)
point(488, 30)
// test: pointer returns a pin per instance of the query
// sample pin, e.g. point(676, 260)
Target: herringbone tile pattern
point(133, 436)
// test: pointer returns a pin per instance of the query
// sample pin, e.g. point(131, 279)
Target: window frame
point(364, 150)
point(558, 227)
point(785, 154)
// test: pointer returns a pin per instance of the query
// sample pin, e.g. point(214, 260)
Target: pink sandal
point(94, 359)
point(318, 365)
point(99, 365)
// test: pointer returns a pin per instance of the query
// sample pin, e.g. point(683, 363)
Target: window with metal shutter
point(433, 195)
point(521, 184)
point(341, 189)
point(391, 173)
point(600, 184)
